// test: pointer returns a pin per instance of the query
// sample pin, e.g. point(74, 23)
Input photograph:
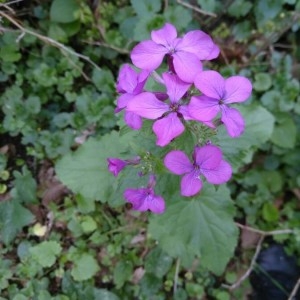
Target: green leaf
point(85, 267)
point(24, 186)
point(239, 8)
point(46, 252)
point(85, 171)
point(122, 273)
point(285, 131)
point(263, 82)
point(104, 295)
point(63, 11)
point(259, 128)
point(270, 212)
point(13, 217)
point(146, 8)
point(179, 16)
point(158, 262)
point(202, 226)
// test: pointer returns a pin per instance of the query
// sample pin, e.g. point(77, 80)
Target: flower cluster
point(191, 95)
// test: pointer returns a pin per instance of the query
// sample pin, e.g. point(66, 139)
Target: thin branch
point(120, 50)
point(295, 290)
point(176, 276)
point(263, 235)
point(52, 42)
point(247, 273)
point(10, 3)
point(197, 9)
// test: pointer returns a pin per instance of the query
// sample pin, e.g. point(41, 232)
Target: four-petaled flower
point(167, 115)
point(218, 94)
point(207, 161)
point(130, 83)
point(185, 53)
point(144, 199)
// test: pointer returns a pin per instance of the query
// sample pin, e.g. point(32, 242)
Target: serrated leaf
point(85, 171)
point(259, 128)
point(46, 252)
point(63, 11)
point(13, 217)
point(202, 226)
point(85, 267)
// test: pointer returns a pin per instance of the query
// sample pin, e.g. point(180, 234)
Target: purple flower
point(185, 53)
point(207, 161)
point(116, 165)
point(218, 94)
point(144, 199)
point(130, 83)
point(168, 124)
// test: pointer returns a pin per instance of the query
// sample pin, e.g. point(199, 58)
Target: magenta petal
point(208, 157)
point(197, 42)
point(137, 198)
point(190, 185)
point(203, 108)
point(211, 83)
point(214, 53)
point(219, 175)
point(233, 121)
point(133, 120)
point(147, 105)
point(142, 78)
point(167, 128)
point(156, 204)
point(148, 55)
point(127, 79)
point(237, 89)
point(165, 35)
point(176, 88)
point(116, 165)
point(187, 65)
point(178, 163)
point(123, 100)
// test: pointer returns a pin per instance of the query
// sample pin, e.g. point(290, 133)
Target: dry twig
point(257, 250)
point(295, 290)
point(50, 41)
point(197, 9)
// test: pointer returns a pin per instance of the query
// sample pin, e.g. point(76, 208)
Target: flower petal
point(219, 175)
point(237, 89)
point(178, 163)
point(197, 42)
point(208, 157)
point(133, 120)
point(136, 197)
point(176, 88)
point(211, 84)
point(233, 121)
point(127, 79)
point(203, 108)
point(142, 78)
point(116, 165)
point(123, 100)
point(148, 55)
point(147, 105)
point(167, 128)
point(165, 35)
point(214, 53)
point(187, 65)
point(190, 184)
point(155, 203)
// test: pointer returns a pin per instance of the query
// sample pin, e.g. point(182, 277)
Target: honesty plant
point(194, 100)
